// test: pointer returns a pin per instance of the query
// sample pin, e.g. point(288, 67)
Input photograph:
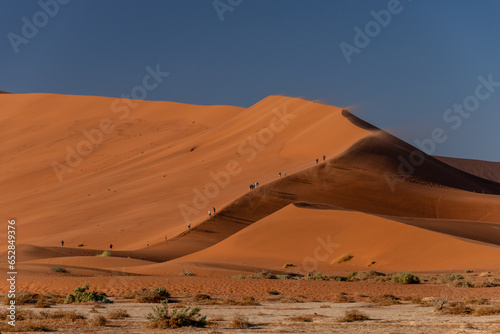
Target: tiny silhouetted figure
point(189, 226)
point(148, 243)
point(324, 157)
point(165, 237)
point(110, 246)
point(284, 174)
point(256, 184)
point(62, 243)
point(214, 210)
point(279, 174)
point(252, 186)
point(317, 160)
point(209, 213)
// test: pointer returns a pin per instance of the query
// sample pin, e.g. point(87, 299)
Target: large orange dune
point(99, 171)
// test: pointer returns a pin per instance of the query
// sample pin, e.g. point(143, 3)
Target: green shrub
point(286, 265)
point(80, 245)
point(352, 275)
point(82, 295)
point(238, 277)
point(162, 318)
point(405, 278)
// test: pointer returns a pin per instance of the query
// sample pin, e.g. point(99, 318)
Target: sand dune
point(486, 169)
point(165, 164)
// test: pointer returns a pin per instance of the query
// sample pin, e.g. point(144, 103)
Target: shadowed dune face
point(485, 169)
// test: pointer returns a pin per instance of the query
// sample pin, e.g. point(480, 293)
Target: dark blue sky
point(425, 60)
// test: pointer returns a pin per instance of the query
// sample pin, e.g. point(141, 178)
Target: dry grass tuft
point(118, 314)
point(343, 258)
point(353, 315)
point(301, 318)
point(487, 310)
point(342, 298)
point(384, 300)
point(240, 321)
point(99, 321)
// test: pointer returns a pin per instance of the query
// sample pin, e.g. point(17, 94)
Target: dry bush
point(200, 297)
point(240, 321)
point(478, 301)
point(487, 310)
point(353, 315)
point(118, 314)
point(99, 321)
point(342, 298)
point(245, 301)
point(273, 292)
point(301, 318)
point(24, 326)
point(67, 315)
point(405, 278)
point(456, 308)
point(384, 300)
point(153, 295)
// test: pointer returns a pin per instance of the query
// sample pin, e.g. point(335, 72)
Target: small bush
point(455, 277)
point(67, 315)
point(201, 296)
point(163, 318)
point(286, 265)
point(316, 276)
point(240, 321)
point(82, 295)
point(153, 295)
point(487, 310)
point(405, 278)
point(456, 308)
point(80, 245)
point(353, 315)
point(301, 318)
point(342, 298)
point(58, 270)
point(468, 271)
point(238, 277)
point(352, 275)
point(385, 300)
point(99, 321)
point(273, 292)
point(186, 272)
point(118, 314)
point(264, 274)
point(283, 276)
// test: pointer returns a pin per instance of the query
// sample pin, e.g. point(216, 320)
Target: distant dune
point(101, 171)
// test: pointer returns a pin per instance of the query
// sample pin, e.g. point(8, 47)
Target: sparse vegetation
point(353, 315)
point(58, 269)
point(385, 300)
point(153, 295)
point(105, 253)
point(118, 314)
point(286, 265)
point(405, 278)
point(181, 317)
point(343, 258)
point(487, 310)
point(99, 321)
point(342, 298)
point(200, 297)
point(82, 295)
point(81, 244)
point(186, 272)
point(301, 318)
point(240, 321)
point(273, 292)
point(316, 276)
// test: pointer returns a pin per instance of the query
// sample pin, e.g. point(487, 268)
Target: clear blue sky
point(424, 60)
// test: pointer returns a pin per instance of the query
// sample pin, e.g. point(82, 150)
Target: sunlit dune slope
point(153, 166)
point(315, 239)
